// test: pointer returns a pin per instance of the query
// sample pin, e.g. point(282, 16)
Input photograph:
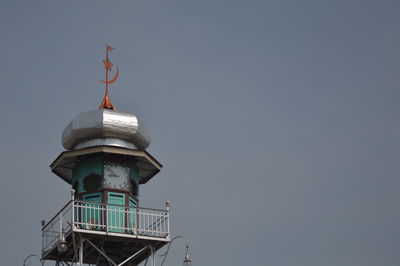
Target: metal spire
point(187, 261)
point(106, 104)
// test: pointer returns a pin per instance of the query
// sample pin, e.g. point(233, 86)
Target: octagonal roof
point(147, 165)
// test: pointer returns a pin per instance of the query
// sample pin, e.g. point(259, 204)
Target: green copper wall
point(85, 168)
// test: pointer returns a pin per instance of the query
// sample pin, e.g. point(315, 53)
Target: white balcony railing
point(106, 219)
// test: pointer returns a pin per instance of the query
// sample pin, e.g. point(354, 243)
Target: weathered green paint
point(134, 173)
point(115, 218)
point(85, 168)
point(135, 177)
point(132, 214)
point(115, 214)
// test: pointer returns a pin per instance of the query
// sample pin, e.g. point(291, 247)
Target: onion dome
point(105, 127)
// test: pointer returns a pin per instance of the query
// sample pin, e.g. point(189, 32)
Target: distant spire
point(187, 261)
point(106, 104)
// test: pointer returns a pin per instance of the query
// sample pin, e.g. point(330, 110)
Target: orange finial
point(106, 104)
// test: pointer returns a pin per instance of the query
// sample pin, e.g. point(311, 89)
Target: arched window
point(92, 182)
point(134, 188)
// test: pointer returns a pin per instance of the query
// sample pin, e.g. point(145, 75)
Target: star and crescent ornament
point(106, 104)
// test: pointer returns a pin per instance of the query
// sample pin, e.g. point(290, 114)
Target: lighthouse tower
point(105, 161)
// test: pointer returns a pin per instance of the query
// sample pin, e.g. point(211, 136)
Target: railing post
point(72, 209)
point(81, 251)
point(107, 218)
point(44, 236)
point(168, 204)
point(137, 221)
point(153, 259)
point(61, 226)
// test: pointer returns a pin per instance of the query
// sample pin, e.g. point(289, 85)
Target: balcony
point(104, 221)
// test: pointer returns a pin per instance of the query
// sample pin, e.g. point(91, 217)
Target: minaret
point(187, 261)
point(105, 161)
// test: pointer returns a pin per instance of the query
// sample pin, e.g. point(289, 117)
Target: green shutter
point(92, 213)
point(132, 215)
point(115, 214)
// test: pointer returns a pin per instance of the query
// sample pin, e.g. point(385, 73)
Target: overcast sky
point(277, 122)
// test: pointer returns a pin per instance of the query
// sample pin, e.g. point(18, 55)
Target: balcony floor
point(117, 246)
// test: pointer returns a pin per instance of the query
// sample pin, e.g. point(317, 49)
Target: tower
point(187, 261)
point(105, 161)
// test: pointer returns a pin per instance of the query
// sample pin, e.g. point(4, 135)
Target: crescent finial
point(106, 104)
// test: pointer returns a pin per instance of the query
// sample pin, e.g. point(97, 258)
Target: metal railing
point(57, 227)
point(101, 218)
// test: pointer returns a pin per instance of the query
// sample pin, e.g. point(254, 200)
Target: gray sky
point(277, 121)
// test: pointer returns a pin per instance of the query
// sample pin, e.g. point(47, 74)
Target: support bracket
point(110, 260)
